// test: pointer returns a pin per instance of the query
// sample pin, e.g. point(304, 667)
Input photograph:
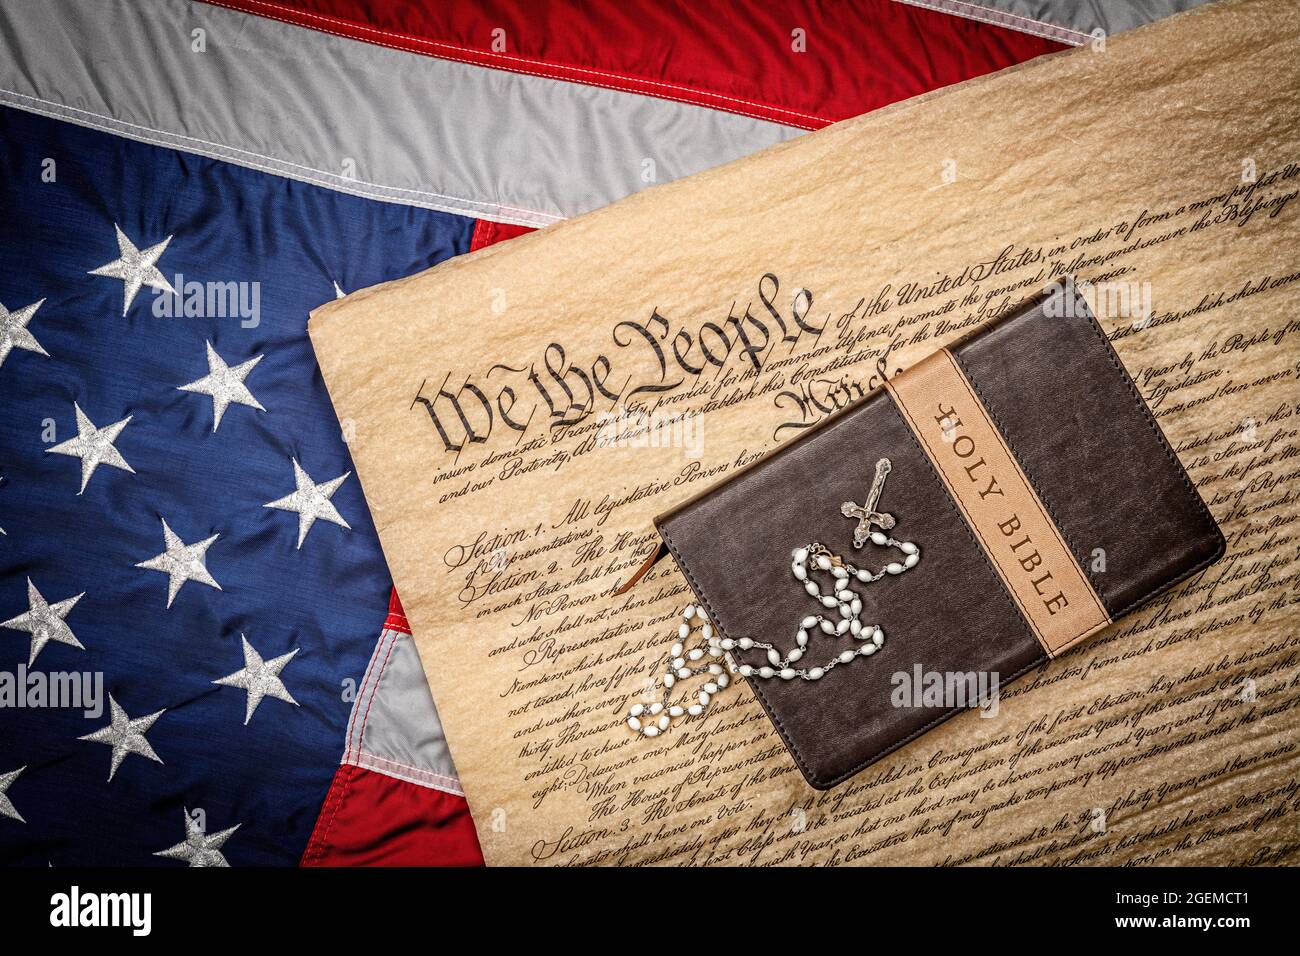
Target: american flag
point(183, 538)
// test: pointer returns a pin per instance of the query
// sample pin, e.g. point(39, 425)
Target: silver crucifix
point(867, 514)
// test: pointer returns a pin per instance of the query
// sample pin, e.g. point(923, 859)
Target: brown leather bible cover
point(1118, 501)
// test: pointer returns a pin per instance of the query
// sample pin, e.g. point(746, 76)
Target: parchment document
point(518, 416)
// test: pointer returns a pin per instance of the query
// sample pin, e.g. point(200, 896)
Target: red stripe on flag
point(487, 233)
point(371, 819)
point(796, 62)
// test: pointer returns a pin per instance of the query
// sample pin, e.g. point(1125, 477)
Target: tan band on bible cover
point(1001, 507)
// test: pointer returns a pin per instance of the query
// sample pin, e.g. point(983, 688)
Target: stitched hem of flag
point(1000, 18)
point(415, 775)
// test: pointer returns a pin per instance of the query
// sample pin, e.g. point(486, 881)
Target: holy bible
point(982, 512)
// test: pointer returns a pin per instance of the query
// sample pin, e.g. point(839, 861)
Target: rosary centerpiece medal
point(841, 616)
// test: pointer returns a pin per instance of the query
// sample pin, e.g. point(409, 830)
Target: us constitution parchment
point(734, 309)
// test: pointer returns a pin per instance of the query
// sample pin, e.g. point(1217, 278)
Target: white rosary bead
point(669, 680)
point(637, 710)
point(634, 723)
point(684, 631)
point(689, 612)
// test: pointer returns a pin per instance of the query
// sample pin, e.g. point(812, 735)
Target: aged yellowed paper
point(733, 309)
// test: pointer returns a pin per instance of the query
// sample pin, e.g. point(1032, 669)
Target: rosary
point(842, 616)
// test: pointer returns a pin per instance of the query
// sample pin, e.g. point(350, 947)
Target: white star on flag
point(182, 562)
point(7, 809)
point(44, 622)
point(311, 501)
point(135, 268)
point(94, 446)
point(14, 333)
point(124, 735)
point(199, 849)
point(225, 383)
point(260, 678)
